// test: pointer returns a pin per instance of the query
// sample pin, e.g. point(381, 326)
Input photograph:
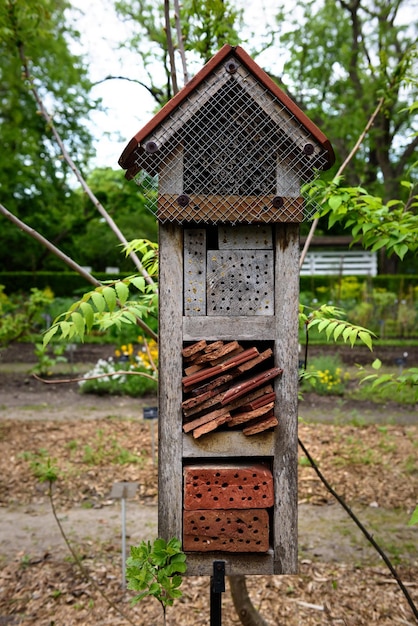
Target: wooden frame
point(279, 446)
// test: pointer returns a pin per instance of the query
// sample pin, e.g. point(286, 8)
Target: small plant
point(42, 466)
point(155, 570)
point(109, 450)
point(21, 315)
point(414, 517)
point(325, 376)
point(46, 360)
point(133, 372)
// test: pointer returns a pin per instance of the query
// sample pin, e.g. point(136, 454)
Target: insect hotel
point(231, 152)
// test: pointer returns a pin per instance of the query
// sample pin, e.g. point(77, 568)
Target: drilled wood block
point(240, 282)
point(242, 237)
point(227, 487)
point(194, 272)
point(235, 530)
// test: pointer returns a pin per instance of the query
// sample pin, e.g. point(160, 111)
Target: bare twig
point(59, 381)
point(66, 259)
point(170, 47)
point(74, 168)
point(84, 571)
point(364, 530)
point(340, 171)
point(50, 246)
point(180, 41)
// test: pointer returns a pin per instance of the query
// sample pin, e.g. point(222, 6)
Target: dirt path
point(369, 451)
point(326, 533)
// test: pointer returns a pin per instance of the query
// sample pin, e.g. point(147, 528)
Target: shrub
point(325, 376)
point(133, 373)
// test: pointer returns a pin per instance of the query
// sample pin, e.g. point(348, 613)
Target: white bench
point(336, 262)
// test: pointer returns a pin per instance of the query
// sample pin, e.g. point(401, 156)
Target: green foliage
point(106, 306)
point(340, 59)
point(108, 450)
point(93, 241)
point(43, 467)
point(414, 517)
point(387, 384)
point(207, 26)
point(21, 315)
point(325, 376)
point(46, 360)
point(36, 184)
point(112, 378)
point(376, 224)
point(386, 313)
point(327, 319)
point(155, 570)
point(111, 304)
point(134, 373)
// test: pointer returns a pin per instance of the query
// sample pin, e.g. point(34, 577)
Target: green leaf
point(366, 339)
point(79, 325)
point(123, 292)
point(139, 283)
point(414, 517)
point(99, 301)
point(331, 328)
point(88, 313)
point(339, 329)
point(49, 334)
point(109, 295)
point(335, 202)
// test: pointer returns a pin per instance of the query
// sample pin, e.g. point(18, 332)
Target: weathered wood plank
point(170, 370)
point(170, 179)
point(195, 271)
point(248, 209)
point(242, 328)
point(201, 564)
point(226, 444)
point(286, 354)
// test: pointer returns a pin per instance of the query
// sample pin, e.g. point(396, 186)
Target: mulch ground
point(369, 465)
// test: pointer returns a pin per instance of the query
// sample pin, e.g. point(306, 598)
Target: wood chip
point(212, 425)
point(204, 419)
point(247, 416)
point(268, 422)
point(188, 351)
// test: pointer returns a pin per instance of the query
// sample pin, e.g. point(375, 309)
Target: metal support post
point(217, 587)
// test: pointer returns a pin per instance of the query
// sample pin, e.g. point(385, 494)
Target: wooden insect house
point(231, 153)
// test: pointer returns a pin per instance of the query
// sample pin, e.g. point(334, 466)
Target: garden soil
point(367, 452)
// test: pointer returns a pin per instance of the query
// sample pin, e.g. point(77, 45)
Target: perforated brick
point(228, 487)
point(236, 530)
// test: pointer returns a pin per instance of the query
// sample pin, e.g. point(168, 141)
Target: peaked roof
point(129, 157)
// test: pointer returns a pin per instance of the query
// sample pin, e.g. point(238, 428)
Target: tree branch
point(157, 93)
point(247, 613)
point(180, 41)
point(170, 46)
point(50, 246)
point(66, 259)
point(74, 168)
point(340, 171)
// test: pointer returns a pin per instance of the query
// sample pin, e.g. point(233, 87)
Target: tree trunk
point(247, 613)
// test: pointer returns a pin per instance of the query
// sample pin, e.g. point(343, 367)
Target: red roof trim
point(127, 157)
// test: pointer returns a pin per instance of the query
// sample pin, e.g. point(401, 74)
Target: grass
point(108, 450)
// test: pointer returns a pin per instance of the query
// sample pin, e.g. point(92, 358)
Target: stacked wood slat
point(225, 383)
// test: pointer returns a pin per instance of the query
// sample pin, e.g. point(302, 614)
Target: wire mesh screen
point(232, 153)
